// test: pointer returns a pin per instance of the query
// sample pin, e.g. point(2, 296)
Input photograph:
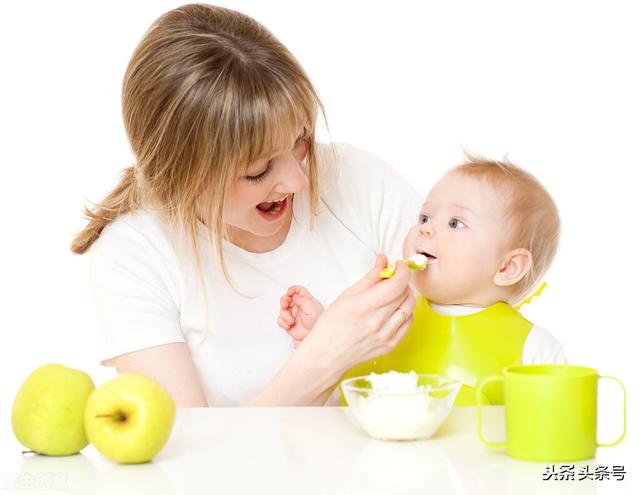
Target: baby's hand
point(299, 311)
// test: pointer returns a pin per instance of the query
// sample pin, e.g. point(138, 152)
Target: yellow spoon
point(415, 262)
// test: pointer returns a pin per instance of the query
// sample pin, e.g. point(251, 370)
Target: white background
point(554, 84)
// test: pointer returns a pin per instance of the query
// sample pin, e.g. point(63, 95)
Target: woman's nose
point(292, 178)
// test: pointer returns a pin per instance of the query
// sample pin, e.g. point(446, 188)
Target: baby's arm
point(299, 311)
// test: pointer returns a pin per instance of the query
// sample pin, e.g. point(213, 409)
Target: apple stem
point(117, 416)
point(28, 452)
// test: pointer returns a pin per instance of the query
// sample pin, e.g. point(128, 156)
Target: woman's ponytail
point(123, 199)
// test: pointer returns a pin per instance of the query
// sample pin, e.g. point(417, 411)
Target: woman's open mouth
point(272, 210)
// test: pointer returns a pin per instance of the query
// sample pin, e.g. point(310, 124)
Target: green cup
point(550, 412)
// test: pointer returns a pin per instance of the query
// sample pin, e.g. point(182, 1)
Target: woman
point(230, 201)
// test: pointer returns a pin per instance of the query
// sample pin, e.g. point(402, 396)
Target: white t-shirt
point(148, 293)
point(540, 347)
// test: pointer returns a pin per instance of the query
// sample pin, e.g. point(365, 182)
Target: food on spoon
point(415, 262)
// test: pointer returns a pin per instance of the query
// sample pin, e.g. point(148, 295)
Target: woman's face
point(259, 207)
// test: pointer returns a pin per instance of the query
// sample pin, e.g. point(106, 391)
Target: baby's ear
point(515, 265)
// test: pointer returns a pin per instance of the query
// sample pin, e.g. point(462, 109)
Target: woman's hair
point(207, 92)
point(532, 217)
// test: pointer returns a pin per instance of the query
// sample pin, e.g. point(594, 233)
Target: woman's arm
point(302, 381)
point(134, 288)
point(138, 310)
point(179, 378)
point(361, 324)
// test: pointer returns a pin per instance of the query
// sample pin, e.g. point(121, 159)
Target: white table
point(309, 451)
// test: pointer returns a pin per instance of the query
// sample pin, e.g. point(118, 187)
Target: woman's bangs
point(272, 126)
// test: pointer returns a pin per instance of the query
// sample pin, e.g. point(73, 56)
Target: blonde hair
point(207, 92)
point(531, 214)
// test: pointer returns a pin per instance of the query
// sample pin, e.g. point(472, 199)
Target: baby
point(490, 231)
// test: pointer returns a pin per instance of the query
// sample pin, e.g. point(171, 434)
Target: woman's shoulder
point(136, 234)
point(350, 173)
point(141, 223)
point(368, 196)
point(346, 160)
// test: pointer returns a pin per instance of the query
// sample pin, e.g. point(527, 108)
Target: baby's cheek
point(419, 281)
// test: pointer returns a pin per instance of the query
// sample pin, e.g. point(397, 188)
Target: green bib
point(467, 348)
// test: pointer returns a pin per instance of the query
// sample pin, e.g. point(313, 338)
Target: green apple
point(129, 418)
point(48, 411)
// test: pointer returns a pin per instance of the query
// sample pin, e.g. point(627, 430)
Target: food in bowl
point(400, 406)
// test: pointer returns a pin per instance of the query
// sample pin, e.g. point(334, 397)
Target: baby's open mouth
point(432, 259)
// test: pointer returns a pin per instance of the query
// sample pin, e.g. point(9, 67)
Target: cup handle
point(624, 412)
point(479, 396)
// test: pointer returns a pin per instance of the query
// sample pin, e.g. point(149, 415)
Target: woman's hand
point(367, 320)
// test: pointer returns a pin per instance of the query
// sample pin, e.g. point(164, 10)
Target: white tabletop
point(308, 450)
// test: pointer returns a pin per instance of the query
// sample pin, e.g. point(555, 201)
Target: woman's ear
point(515, 265)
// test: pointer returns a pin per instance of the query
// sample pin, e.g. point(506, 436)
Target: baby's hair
point(531, 214)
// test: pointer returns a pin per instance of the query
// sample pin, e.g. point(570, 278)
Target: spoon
point(415, 262)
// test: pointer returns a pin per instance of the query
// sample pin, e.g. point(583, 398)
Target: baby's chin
point(448, 298)
point(436, 295)
point(442, 301)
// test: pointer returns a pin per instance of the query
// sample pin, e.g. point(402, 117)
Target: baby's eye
point(423, 219)
point(454, 223)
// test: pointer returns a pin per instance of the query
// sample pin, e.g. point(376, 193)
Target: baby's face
point(461, 227)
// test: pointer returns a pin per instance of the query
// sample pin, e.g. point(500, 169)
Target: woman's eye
point(260, 176)
point(454, 223)
point(423, 219)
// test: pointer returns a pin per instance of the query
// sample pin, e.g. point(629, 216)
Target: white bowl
point(401, 415)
